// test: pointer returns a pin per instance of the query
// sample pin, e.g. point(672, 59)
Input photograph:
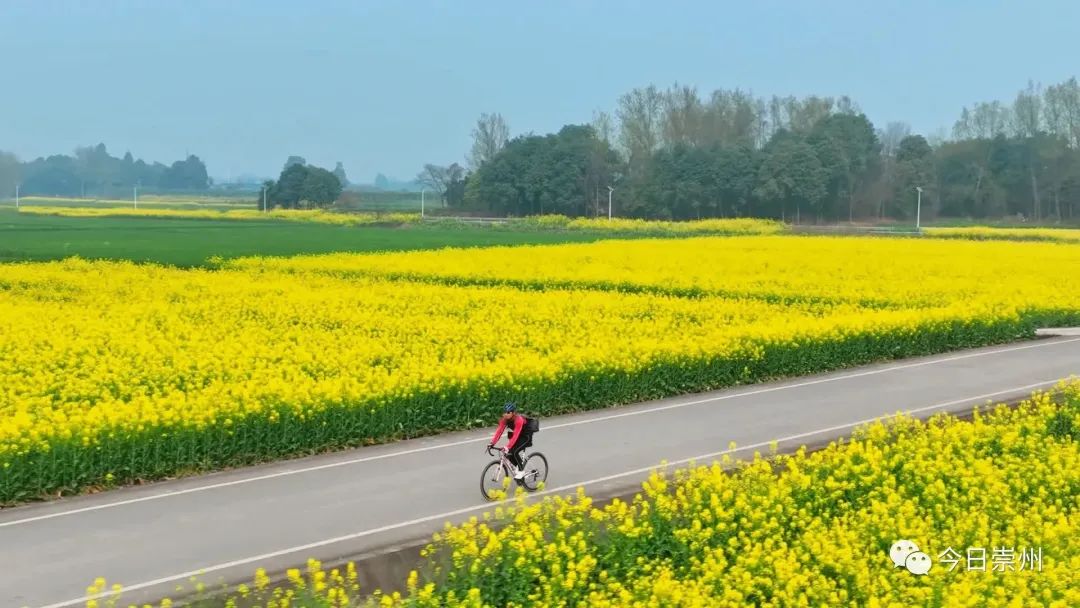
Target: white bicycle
point(497, 472)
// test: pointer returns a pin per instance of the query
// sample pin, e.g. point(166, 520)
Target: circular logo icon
point(918, 563)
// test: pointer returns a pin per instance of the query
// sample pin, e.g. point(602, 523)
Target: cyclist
point(520, 436)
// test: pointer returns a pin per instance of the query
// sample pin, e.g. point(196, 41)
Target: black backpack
point(532, 425)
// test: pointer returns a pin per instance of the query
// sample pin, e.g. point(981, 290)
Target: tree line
point(92, 171)
point(674, 154)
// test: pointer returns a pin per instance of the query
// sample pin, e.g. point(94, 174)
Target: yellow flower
point(262, 581)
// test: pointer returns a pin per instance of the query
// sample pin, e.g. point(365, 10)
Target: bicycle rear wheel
point(495, 481)
point(536, 471)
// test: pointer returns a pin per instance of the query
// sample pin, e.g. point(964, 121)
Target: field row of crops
point(299, 215)
point(116, 372)
point(540, 223)
point(1017, 234)
point(144, 200)
point(229, 211)
point(889, 273)
point(801, 530)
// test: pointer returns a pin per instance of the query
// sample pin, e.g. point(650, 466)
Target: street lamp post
point(422, 192)
point(610, 190)
point(918, 208)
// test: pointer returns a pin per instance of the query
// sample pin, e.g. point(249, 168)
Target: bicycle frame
point(501, 470)
point(507, 467)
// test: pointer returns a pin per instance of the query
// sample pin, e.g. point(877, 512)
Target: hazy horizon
point(386, 88)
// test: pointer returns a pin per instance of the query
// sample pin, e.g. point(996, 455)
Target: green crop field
point(191, 242)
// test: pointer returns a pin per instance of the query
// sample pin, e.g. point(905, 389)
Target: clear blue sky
point(387, 86)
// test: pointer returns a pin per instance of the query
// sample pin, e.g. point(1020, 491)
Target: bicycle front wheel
point(494, 482)
point(536, 471)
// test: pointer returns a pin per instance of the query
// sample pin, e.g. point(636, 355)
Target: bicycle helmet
point(510, 407)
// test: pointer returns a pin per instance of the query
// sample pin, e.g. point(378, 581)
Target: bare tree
point(1061, 105)
point(988, 120)
point(891, 136)
point(983, 121)
point(435, 178)
point(803, 114)
point(778, 118)
point(734, 117)
point(440, 179)
point(963, 129)
point(604, 127)
point(1027, 112)
point(489, 137)
point(937, 137)
point(1054, 112)
point(682, 116)
point(640, 115)
point(763, 129)
point(746, 119)
point(845, 105)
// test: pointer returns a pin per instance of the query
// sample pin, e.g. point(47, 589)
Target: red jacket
point(519, 424)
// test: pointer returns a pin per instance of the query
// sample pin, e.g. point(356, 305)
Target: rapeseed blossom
point(114, 371)
point(872, 272)
point(1014, 234)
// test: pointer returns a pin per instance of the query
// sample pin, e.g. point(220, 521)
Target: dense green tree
point(187, 174)
point(294, 160)
point(734, 171)
point(848, 148)
point(455, 191)
point(914, 168)
point(288, 191)
point(299, 185)
point(534, 174)
point(792, 178)
point(321, 187)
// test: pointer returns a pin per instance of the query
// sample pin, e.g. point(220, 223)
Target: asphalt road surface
point(225, 525)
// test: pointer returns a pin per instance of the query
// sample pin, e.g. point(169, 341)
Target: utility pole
point(422, 191)
point(135, 196)
point(918, 208)
point(610, 190)
point(16, 197)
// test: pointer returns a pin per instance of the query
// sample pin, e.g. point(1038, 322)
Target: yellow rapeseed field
point(732, 226)
point(112, 372)
point(990, 502)
point(1016, 234)
point(873, 271)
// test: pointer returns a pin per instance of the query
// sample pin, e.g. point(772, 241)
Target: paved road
point(155, 537)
